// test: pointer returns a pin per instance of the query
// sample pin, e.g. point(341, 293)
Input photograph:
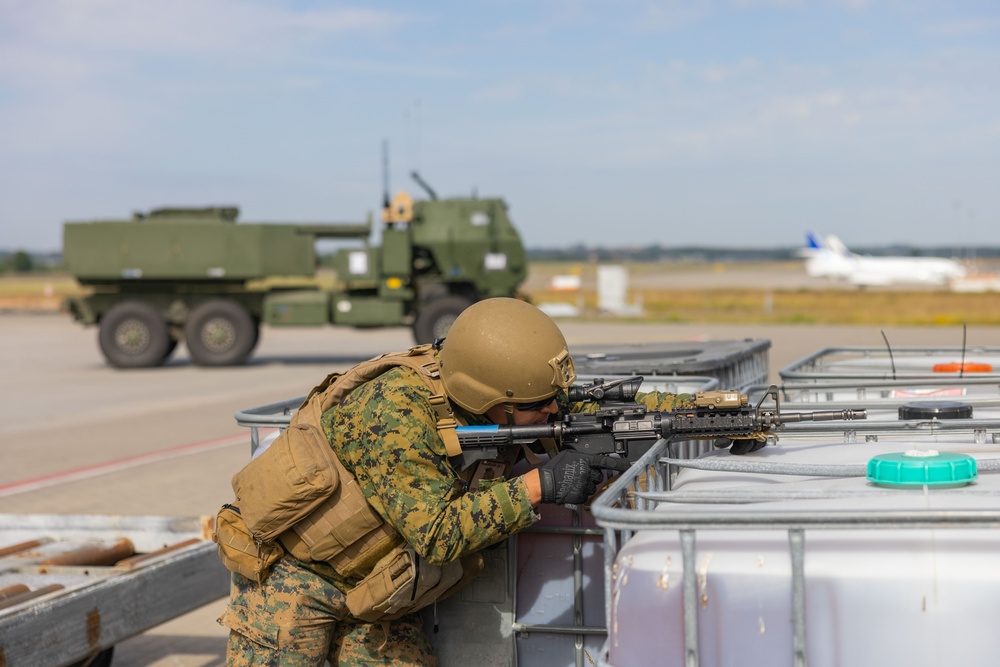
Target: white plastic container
point(873, 596)
point(919, 598)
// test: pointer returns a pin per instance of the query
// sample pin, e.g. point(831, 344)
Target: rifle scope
point(618, 391)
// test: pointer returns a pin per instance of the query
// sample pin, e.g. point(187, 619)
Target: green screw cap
point(918, 468)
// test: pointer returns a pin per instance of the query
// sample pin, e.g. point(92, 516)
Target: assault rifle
point(621, 426)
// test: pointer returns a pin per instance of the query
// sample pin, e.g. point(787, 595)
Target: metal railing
point(868, 363)
point(985, 390)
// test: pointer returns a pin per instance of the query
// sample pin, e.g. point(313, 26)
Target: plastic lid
point(918, 468)
point(967, 367)
point(935, 410)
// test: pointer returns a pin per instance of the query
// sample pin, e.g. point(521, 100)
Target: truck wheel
point(220, 333)
point(134, 334)
point(435, 319)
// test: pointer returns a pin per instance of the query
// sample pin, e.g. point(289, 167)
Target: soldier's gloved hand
point(570, 478)
point(739, 446)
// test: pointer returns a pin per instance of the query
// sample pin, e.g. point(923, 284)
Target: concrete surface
point(78, 436)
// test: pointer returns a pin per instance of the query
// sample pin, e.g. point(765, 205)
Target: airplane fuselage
point(834, 261)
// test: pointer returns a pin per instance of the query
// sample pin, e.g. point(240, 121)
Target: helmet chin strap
point(508, 411)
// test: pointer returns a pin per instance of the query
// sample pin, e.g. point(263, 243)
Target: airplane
point(829, 258)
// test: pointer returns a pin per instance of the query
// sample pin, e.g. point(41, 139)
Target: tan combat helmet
point(504, 351)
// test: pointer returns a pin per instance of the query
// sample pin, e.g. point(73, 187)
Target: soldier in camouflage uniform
point(385, 434)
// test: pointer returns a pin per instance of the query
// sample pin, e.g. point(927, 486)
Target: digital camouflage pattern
point(385, 434)
point(297, 618)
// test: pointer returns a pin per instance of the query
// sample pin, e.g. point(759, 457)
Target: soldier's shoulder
point(398, 386)
point(400, 379)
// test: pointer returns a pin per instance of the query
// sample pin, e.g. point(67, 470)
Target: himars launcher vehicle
point(197, 275)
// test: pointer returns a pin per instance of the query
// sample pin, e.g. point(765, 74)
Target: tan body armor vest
point(298, 494)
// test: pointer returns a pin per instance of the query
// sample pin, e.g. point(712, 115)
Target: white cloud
point(963, 27)
point(396, 67)
point(59, 43)
point(782, 4)
point(672, 16)
point(183, 26)
point(804, 108)
point(503, 92)
point(101, 74)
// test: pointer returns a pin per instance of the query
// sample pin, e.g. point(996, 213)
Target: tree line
point(22, 261)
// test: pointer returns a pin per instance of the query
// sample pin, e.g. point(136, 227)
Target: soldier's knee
point(241, 651)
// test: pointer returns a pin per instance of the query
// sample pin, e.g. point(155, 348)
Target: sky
point(731, 123)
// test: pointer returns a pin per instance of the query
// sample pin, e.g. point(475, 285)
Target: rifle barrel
point(821, 416)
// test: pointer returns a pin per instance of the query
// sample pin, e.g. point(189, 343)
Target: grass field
point(750, 306)
point(665, 303)
point(767, 293)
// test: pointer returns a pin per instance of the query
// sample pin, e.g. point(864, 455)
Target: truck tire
point(220, 333)
point(435, 319)
point(134, 334)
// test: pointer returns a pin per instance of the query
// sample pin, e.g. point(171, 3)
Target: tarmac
point(78, 436)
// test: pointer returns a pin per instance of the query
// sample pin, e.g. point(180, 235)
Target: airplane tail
point(819, 245)
point(814, 246)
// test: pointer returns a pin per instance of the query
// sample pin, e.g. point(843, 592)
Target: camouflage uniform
point(385, 433)
point(298, 617)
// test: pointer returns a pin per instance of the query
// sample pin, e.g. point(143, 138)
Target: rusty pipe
point(138, 559)
point(30, 595)
point(94, 554)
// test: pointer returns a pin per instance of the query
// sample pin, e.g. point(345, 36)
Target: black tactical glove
point(570, 478)
point(739, 446)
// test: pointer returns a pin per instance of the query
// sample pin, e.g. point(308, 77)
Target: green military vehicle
point(198, 275)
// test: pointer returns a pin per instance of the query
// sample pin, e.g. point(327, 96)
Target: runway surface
point(78, 436)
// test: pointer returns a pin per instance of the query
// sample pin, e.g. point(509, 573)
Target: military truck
point(198, 275)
